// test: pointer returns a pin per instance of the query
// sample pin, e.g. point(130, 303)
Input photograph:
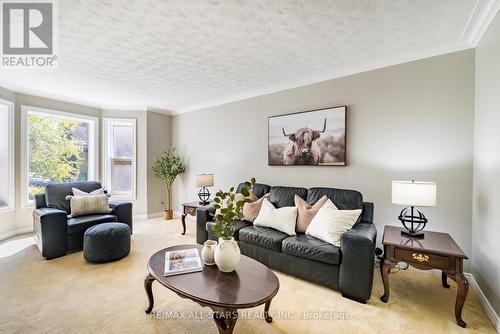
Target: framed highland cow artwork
point(315, 137)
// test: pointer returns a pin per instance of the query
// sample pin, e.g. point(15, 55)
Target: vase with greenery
point(167, 167)
point(229, 206)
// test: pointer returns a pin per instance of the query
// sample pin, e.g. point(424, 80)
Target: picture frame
point(308, 138)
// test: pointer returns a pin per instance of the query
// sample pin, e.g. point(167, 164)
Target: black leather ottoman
point(106, 242)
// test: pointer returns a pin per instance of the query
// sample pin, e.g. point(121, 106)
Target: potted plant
point(229, 207)
point(167, 167)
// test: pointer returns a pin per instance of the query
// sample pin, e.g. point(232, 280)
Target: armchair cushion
point(82, 223)
point(55, 193)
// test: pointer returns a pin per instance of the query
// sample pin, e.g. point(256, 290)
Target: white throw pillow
point(78, 192)
point(282, 219)
point(330, 223)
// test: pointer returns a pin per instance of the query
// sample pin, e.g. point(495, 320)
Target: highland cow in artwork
point(308, 138)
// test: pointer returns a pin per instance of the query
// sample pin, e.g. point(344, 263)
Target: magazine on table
point(182, 261)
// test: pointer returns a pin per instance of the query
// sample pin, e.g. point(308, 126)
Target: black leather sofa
point(55, 233)
point(348, 268)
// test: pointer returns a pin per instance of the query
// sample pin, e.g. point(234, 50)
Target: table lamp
point(413, 193)
point(204, 181)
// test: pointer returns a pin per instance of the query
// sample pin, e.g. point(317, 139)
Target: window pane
point(58, 151)
point(123, 141)
point(4, 156)
point(122, 176)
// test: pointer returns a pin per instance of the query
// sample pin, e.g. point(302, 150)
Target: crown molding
point(479, 21)
point(61, 98)
point(304, 81)
point(161, 111)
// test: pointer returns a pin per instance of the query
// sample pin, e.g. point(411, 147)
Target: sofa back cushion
point(342, 198)
point(55, 193)
point(259, 189)
point(283, 196)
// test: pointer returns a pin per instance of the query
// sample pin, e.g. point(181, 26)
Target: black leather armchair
point(55, 233)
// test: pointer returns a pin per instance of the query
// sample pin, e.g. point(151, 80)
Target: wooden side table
point(435, 251)
point(189, 209)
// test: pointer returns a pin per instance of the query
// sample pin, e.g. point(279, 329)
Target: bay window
point(57, 147)
point(120, 157)
point(6, 155)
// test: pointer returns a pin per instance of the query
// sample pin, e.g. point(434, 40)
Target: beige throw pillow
point(281, 219)
point(330, 223)
point(88, 205)
point(305, 212)
point(251, 210)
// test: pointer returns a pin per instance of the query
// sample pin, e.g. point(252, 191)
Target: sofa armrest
point(203, 215)
point(357, 247)
point(367, 216)
point(123, 212)
point(51, 231)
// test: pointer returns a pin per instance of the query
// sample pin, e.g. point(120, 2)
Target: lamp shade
point(414, 193)
point(205, 180)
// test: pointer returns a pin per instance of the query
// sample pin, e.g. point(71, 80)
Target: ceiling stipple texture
point(179, 54)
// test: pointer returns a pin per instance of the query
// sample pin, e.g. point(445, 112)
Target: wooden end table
point(435, 251)
point(189, 209)
point(251, 284)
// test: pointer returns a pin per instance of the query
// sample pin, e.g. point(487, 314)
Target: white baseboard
point(15, 232)
point(490, 311)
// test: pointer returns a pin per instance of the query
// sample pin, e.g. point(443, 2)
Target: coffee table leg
point(183, 219)
point(268, 318)
point(225, 320)
point(148, 281)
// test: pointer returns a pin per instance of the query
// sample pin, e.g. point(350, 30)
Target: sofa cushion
point(82, 223)
point(262, 236)
point(342, 198)
point(283, 196)
point(259, 189)
point(237, 227)
point(55, 193)
point(308, 247)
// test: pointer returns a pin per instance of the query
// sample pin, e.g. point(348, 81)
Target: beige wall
point(159, 140)
point(486, 200)
point(410, 121)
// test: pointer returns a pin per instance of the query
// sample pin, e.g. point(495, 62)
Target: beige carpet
point(68, 295)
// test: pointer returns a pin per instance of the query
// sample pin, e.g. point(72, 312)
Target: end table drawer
point(422, 258)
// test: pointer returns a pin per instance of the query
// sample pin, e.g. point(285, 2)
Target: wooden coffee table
point(250, 285)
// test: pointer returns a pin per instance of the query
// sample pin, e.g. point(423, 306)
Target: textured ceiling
point(180, 55)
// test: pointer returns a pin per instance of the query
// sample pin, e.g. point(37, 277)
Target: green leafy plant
point(229, 209)
point(167, 167)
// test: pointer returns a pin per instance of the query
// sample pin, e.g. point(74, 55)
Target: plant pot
point(227, 255)
point(168, 214)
